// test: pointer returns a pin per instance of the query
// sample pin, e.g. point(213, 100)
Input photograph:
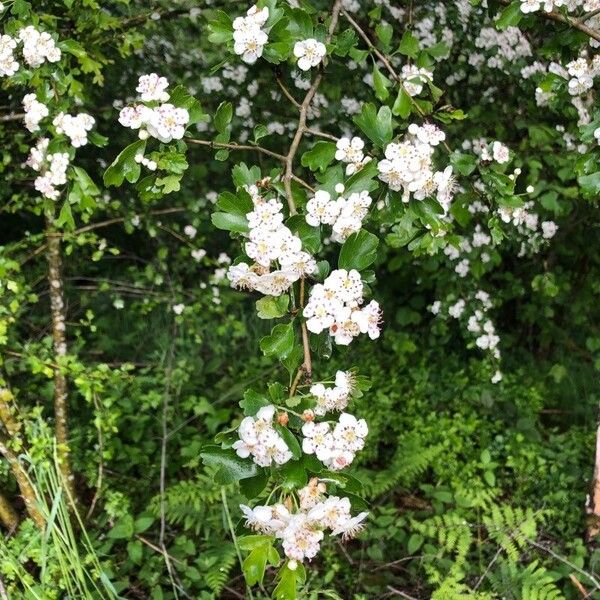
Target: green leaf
point(240, 204)
point(363, 180)
point(271, 307)
point(290, 439)
point(223, 116)
point(381, 84)
point(143, 523)
point(359, 251)
point(253, 402)
point(123, 529)
point(124, 166)
point(231, 467)
point(320, 156)
point(135, 551)
point(464, 164)
point(294, 474)
point(590, 184)
point(403, 104)
point(280, 342)
point(220, 27)
point(65, 218)
point(288, 581)
point(181, 98)
point(377, 126)
point(414, 542)
point(510, 16)
point(310, 236)
point(409, 45)
point(242, 175)
point(254, 565)
point(253, 486)
point(230, 222)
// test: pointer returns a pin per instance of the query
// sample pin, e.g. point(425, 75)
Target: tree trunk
point(13, 428)
point(593, 505)
point(8, 515)
point(58, 312)
point(25, 487)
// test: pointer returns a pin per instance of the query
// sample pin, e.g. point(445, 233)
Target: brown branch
point(301, 128)
point(8, 515)
point(235, 146)
point(593, 508)
point(326, 136)
point(27, 492)
point(559, 18)
point(11, 117)
point(287, 93)
point(58, 315)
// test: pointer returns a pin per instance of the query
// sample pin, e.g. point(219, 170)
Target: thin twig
point(487, 570)
point(100, 463)
point(401, 594)
point(235, 146)
point(301, 128)
point(287, 93)
point(565, 561)
point(321, 134)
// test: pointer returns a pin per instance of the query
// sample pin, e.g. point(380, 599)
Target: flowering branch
point(560, 18)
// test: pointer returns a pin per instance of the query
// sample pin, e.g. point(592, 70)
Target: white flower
point(549, 229)
point(153, 88)
point(190, 231)
point(350, 150)
point(317, 440)
point(8, 65)
point(135, 116)
point(168, 122)
point(351, 527)
point(309, 53)
point(178, 308)
point(500, 153)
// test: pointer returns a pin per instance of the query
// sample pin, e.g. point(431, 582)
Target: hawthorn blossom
point(35, 111)
point(309, 53)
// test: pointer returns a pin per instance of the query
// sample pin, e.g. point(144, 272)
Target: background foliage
point(476, 490)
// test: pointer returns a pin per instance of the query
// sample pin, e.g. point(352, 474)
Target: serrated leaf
point(280, 342)
point(320, 156)
point(272, 307)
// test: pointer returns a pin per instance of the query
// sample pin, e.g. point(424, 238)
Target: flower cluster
point(270, 241)
point(249, 37)
point(35, 111)
point(165, 122)
point(309, 53)
point(346, 215)
point(38, 47)
point(408, 165)
point(531, 6)
point(259, 438)
point(52, 169)
point(75, 127)
point(582, 72)
point(302, 531)
point(350, 151)
point(478, 324)
point(8, 65)
point(336, 447)
point(335, 398)
point(335, 305)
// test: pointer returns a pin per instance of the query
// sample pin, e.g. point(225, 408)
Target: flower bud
point(282, 418)
point(308, 415)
